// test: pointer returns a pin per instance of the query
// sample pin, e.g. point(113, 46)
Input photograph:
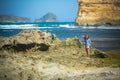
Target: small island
point(49, 17)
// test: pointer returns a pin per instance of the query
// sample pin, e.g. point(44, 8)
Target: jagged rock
point(26, 39)
point(99, 54)
point(38, 40)
point(98, 12)
point(55, 39)
point(72, 42)
point(67, 61)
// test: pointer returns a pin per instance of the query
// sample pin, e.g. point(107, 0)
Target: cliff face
point(12, 18)
point(98, 12)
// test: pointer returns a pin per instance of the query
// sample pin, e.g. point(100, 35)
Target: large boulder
point(26, 39)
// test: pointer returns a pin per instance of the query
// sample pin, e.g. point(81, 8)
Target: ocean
point(103, 37)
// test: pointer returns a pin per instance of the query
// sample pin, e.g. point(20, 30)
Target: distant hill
point(49, 17)
point(12, 18)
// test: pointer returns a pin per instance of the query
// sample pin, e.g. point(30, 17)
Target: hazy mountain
point(12, 18)
point(49, 17)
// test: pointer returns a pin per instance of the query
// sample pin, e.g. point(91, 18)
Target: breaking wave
point(52, 26)
point(25, 26)
point(100, 27)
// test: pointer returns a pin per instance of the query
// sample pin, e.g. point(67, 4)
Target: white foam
point(100, 27)
point(24, 26)
point(34, 26)
point(67, 26)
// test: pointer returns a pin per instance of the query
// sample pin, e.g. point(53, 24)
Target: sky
point(66, 10)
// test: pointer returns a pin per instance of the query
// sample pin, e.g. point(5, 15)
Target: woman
point(87, 44)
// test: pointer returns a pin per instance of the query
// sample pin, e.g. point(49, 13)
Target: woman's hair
point(86, 36)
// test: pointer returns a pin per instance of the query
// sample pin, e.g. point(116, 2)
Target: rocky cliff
point(98, 12)
point(12, 18)
point(49, 17)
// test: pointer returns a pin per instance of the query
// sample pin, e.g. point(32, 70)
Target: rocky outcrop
point(49, 17)
point(12, 18)
point(26, 39)
point(98, 12)
point(29, 39)
point(35, 55)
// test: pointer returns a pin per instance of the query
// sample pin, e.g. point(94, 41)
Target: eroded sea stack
point(98, 12)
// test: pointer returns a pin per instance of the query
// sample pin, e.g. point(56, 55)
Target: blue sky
point(66, 10)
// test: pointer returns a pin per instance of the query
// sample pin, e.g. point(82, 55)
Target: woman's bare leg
point(88, 52)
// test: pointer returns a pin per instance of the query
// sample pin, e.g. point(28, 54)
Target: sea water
point(68, 30)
